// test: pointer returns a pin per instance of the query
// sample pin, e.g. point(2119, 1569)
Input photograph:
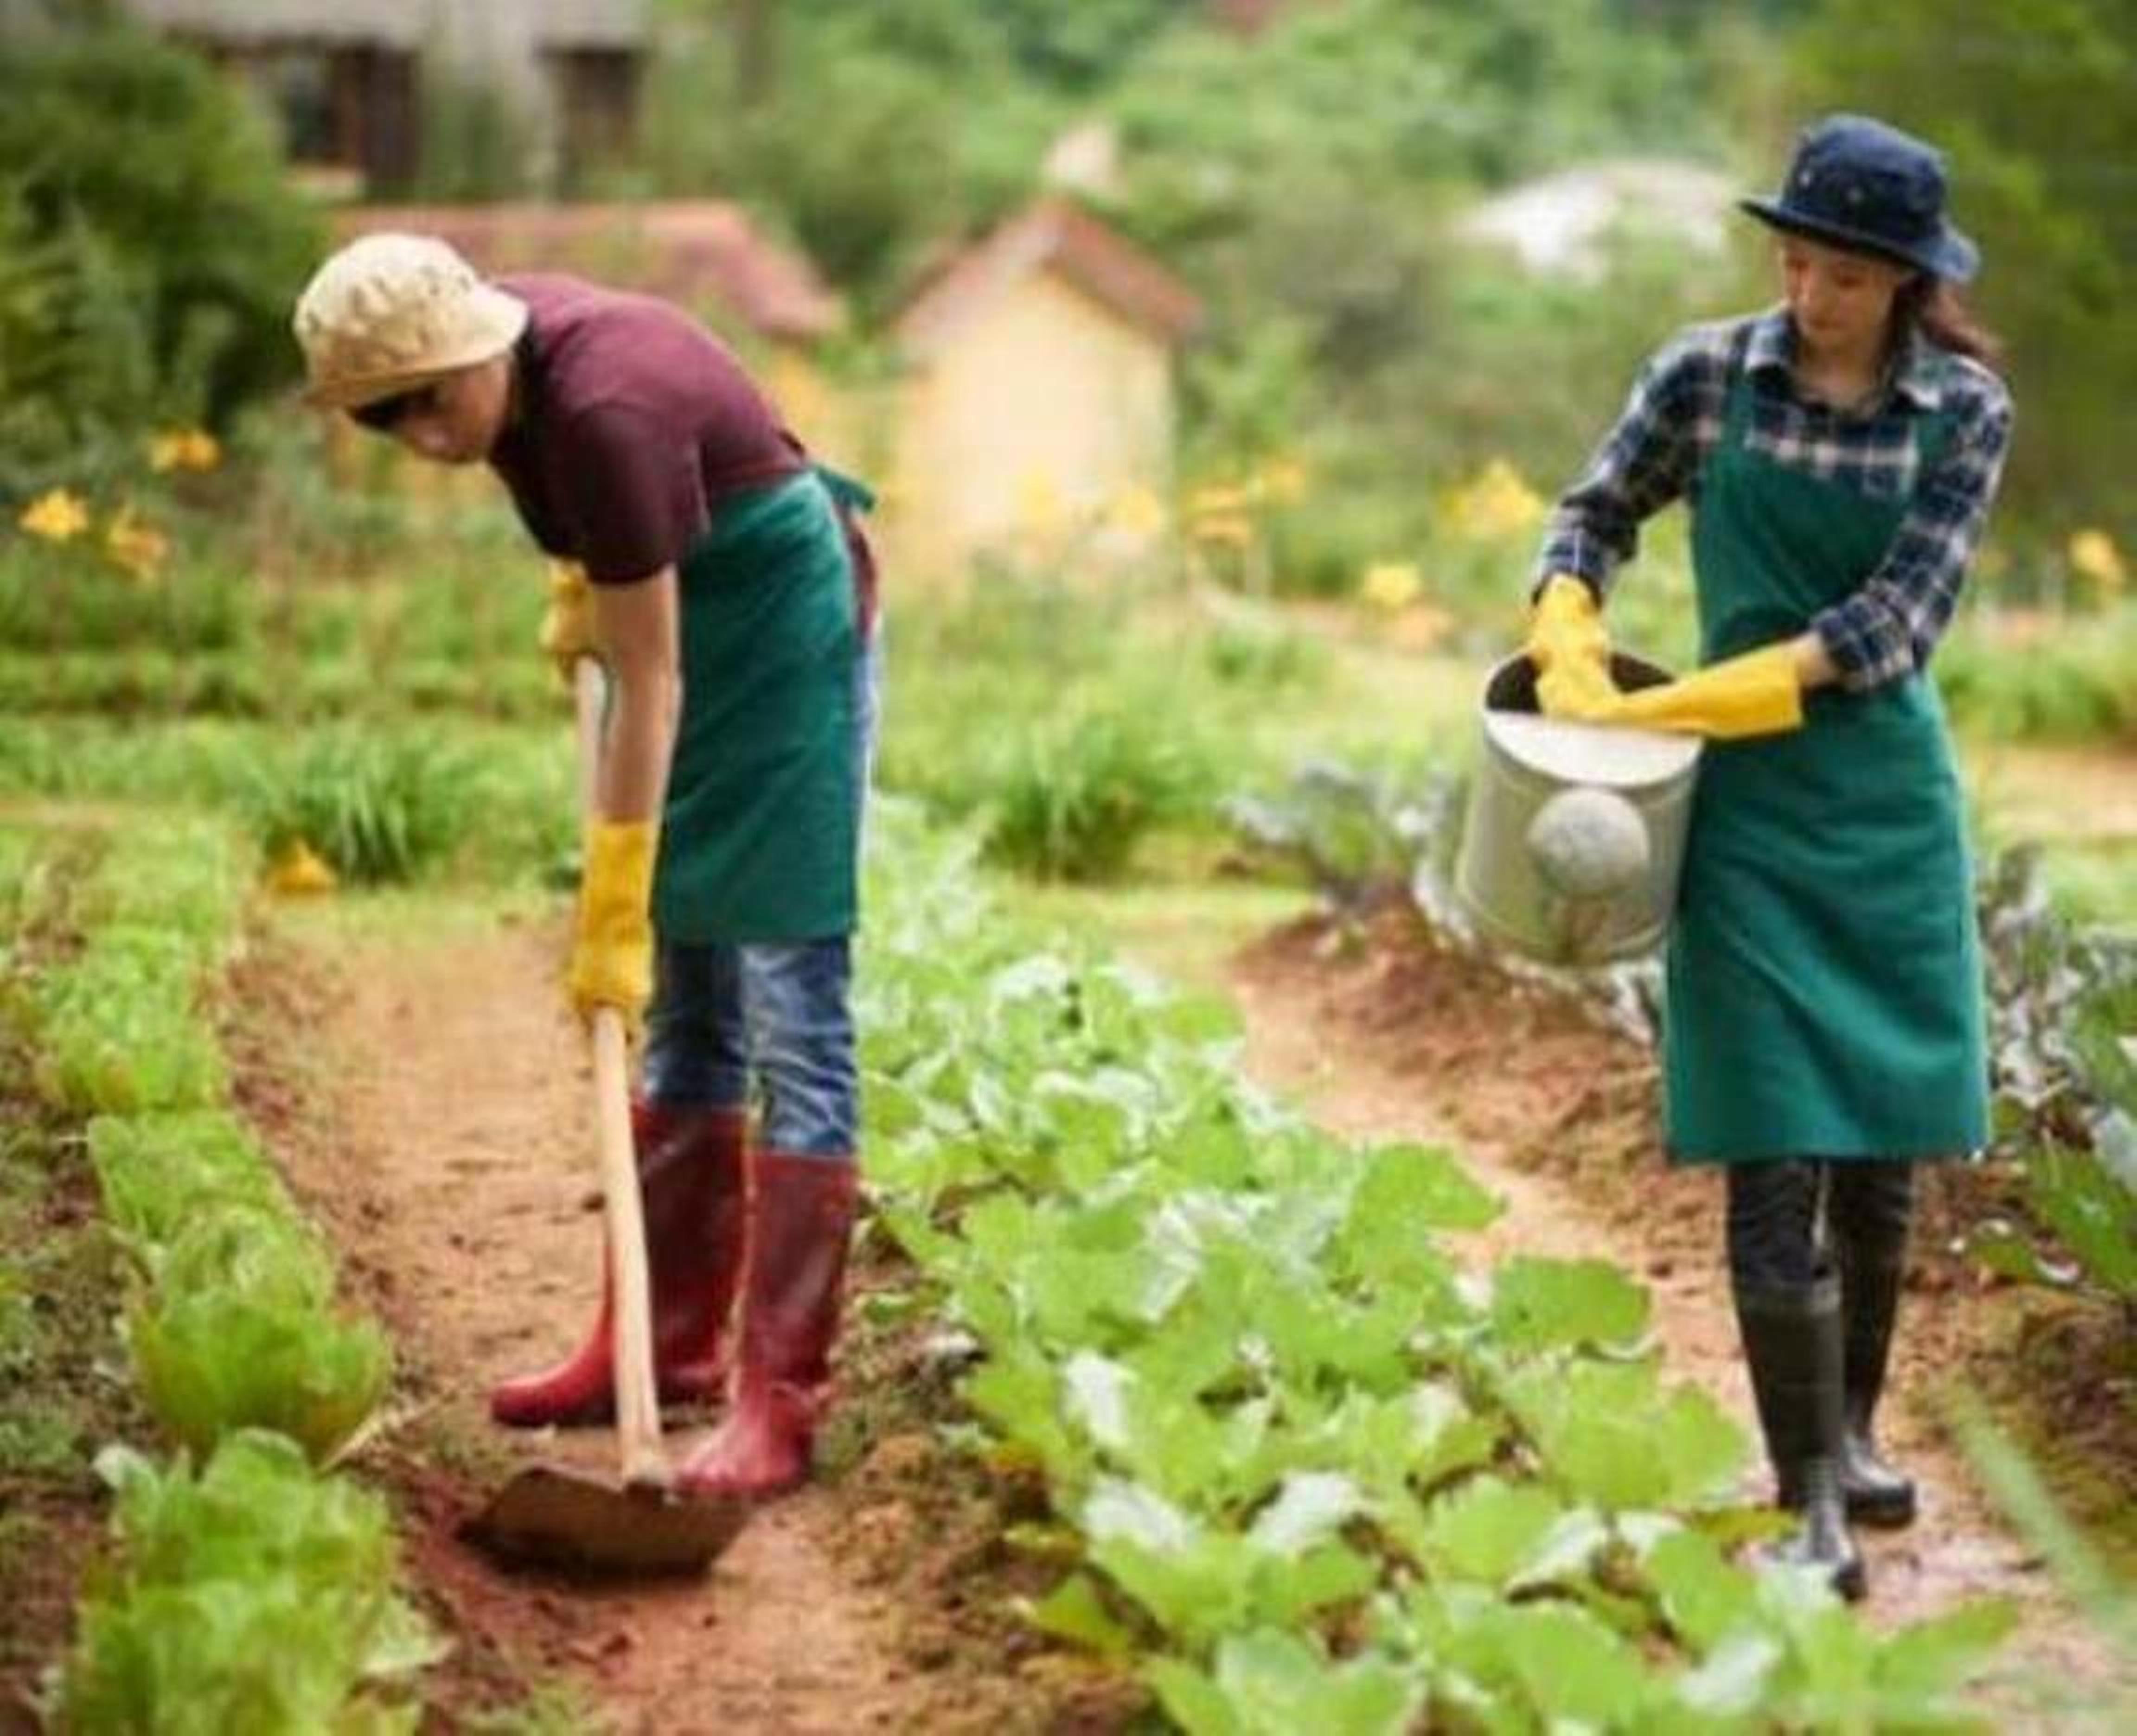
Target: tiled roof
point(402, 24)
point(1058, 236)
point(701, 252)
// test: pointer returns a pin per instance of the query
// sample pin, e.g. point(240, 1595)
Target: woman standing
point(1824, 1030)
point(726, 586)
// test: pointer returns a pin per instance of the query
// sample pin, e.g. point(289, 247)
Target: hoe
point(555, 1517)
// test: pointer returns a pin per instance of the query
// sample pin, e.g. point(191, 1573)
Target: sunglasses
point(388, 413)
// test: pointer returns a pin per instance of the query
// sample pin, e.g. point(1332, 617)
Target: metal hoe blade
point(574, 1523)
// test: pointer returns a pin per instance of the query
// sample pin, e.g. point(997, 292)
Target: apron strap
point(854, 495)
point(1932, 434)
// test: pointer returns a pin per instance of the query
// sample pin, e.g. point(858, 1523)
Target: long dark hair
point(1936, 308)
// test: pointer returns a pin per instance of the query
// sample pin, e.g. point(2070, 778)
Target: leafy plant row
point(2063, 1006)
point(380, 804)
point(249, 1588)
point(1309, 1466)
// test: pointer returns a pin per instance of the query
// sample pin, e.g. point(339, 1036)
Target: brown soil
point(430, 1104)
point(1382, 1032)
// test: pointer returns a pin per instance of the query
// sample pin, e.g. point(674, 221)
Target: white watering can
point(1575, 832)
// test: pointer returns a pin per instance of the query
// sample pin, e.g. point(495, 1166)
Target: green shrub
point(2076, 683)
point(150, 247)
point(378, 808)
point(68, 599)
point(1265, 658)
point(1077, 794)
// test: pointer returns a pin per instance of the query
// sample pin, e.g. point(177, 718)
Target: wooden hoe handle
point(637, 1406)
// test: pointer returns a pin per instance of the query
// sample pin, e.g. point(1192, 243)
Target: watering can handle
point(637, 1403)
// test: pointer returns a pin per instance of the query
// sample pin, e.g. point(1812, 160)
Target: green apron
point(760, 830)
point(1824, 982)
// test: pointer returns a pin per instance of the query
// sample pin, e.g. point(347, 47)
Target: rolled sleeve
point(631, 492)
point(1642, 463)
point(1885, 630)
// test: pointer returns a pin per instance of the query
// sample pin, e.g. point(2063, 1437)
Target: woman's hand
point(637, 635)
point(1758, 693)
point(567, 625)
point(613, 954)
point(1571, 651)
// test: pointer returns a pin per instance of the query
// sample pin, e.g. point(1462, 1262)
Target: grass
point(1186, 934)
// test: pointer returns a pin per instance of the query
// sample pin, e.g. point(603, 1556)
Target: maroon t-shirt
point(631, 423)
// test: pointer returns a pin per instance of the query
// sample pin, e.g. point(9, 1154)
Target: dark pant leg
point(1868, 1210)
point(1773, 1240)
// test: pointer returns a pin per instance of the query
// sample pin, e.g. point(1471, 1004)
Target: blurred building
point(1564, 224)
point(358, 87)
point(1036, 395)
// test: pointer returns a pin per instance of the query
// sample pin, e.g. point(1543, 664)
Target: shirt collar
point(1771, 347)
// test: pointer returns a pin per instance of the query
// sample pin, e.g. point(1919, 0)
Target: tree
point(151, 250)
point(2031, 101)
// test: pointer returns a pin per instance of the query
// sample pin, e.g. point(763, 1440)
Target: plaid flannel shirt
point(1884, 630)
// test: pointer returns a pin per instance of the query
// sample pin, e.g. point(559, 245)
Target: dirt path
point(1396, 1039)
point(426, 1098)
point(444, 1133)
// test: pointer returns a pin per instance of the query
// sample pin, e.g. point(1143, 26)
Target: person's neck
point(1845, 375)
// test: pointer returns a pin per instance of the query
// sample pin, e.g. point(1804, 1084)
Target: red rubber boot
point(800, 1223)
point(690, 1183)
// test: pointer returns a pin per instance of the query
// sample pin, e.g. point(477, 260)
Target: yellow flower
point(298, 869)
point(1038, 506)
point(138, 548)
point(1391, 585)
point(1495, 504)
point(1235, 528)
point(2093, 554)
point(1280, 481)
point(1218, 500)
point(58, 516)
point(184, 449)
point(1137, 512)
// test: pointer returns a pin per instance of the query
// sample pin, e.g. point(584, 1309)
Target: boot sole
point(1883, 1513)
point(601, 1413)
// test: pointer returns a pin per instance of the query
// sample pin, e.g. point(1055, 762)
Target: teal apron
point(760, 830)
point(1824, 983)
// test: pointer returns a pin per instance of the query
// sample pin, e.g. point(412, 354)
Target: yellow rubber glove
point(612, 957)
point(1570, 650)
point(1758, 693)
point(567, 628)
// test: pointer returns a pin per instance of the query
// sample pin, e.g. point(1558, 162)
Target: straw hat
point(388, 312)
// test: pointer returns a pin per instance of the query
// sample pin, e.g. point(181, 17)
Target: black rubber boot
point(1878, 1492)
point(1793, 1343)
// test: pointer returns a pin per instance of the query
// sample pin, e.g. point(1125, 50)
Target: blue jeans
point(780, 1010)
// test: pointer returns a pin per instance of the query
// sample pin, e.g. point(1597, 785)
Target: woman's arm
point(637, 629)
point(1647, 460)
point(1885, 630)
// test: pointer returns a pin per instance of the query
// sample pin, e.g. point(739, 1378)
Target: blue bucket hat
point(1858, 184)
